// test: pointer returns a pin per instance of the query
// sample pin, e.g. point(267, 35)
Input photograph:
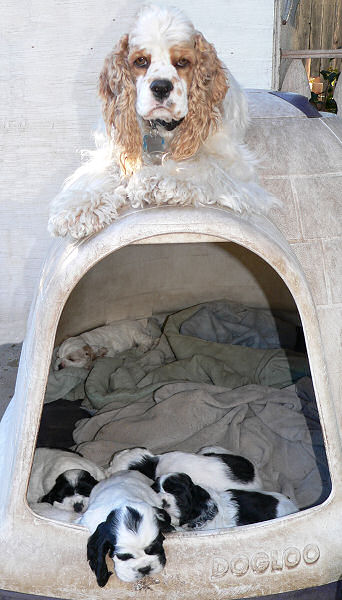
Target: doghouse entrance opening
point(230, 367)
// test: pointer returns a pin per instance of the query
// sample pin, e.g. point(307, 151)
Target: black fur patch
point(254, 507)
point(163, 520)
point(133, 519)
point(101, 543)
point(85, 484)
point(208, 515)
point(146, 465)
point(192, 500)
point(155, 547)
point(63, 488)
point(241, 468)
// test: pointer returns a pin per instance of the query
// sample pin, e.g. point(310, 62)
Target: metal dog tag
point(153, 143)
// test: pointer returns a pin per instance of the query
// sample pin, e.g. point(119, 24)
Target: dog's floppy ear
point(56, 493)
point(164, 520)
point(207, 91)
point(50, 497)
point(101, 543)
point(118, 92)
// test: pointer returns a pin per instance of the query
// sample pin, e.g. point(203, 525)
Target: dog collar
point(168, 126)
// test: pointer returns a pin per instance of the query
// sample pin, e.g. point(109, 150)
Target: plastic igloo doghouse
point(160, 261)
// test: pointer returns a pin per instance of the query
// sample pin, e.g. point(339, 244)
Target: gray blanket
point(196, 389)
point(194, 357)
point(228, 322)
point(263, 423)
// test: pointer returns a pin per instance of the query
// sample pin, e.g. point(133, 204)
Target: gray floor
point(9, 360)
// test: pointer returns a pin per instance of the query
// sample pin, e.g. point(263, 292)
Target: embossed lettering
point(292, 557)
point(311, 554)
point(239, 564)
point(219, 567)
point(260, 562)
point(276, 561)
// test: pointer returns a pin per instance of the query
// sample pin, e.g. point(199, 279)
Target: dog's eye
point(141, 62)
point(182, 62)
point(126, 556)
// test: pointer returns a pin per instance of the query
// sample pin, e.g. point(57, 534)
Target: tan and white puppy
point(108, 340)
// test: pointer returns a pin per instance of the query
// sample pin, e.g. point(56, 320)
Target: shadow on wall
point(9, 360)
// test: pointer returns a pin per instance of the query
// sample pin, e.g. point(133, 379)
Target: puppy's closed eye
point(124, 556)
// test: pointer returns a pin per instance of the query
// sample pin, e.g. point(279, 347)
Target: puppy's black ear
point(57, 493)
point(50, 497)
point(156, 485)
point(164, 520)
point(99, 545)
point(204, 509)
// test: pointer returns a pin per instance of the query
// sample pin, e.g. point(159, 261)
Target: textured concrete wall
point(51, 54)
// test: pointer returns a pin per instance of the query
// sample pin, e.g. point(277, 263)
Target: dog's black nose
point(78, 507)
point(145, 570)
point(161, 88)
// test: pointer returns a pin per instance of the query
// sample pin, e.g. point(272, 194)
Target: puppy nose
point(161, 88)
point(78, 507)
point(145, 570)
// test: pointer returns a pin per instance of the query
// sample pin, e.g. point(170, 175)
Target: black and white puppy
point(127, 522)
point(63, 479)
point(212, 467)
point(193, 507)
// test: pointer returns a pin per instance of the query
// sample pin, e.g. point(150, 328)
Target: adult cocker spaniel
point(175, 119)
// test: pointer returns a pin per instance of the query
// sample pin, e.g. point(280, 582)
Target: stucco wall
point(51, 54)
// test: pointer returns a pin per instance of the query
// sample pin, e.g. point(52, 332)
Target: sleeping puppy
point(192, 507)
point(218, 470)
point(127, 522)
point(63, 479)
point(80, 351)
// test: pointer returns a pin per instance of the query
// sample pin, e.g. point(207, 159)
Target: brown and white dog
point(174, 121)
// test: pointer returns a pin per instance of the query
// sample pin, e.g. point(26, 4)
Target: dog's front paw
point(84, 220)
point(76, 224)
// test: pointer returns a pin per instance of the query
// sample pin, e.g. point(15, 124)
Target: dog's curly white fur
point(163, 80)
point(108, 340)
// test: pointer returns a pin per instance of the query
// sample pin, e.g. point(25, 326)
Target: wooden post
point(296, 79)
point(338, 96)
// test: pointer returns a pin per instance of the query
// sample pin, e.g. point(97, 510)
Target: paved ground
point(9, 360)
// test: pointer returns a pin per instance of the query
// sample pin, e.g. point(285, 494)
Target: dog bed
point(195, 389)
